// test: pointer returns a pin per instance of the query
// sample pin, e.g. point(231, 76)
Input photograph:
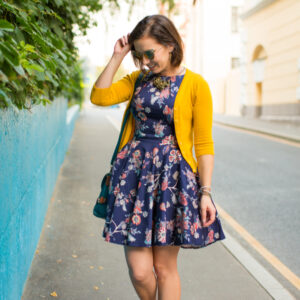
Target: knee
point(161, 271)
point(140, 275)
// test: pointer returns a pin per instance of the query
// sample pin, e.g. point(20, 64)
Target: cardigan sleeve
point(203, 119)
point(119, 91)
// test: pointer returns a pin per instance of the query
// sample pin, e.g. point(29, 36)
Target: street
point(73, 261)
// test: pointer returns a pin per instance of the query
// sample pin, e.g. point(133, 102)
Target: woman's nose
point(145, 60)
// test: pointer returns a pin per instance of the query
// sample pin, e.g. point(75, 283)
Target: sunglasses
point(148, 53)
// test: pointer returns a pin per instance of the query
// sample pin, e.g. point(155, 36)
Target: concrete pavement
point(73, 262)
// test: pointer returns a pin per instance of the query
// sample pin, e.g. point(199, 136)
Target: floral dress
point(153, 192)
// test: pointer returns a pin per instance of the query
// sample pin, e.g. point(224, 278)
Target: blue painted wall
point(32, 149)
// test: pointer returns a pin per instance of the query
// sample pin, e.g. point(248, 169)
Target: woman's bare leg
point(140, 265)
point(165, 264)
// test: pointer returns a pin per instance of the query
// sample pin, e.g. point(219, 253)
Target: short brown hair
point(161, 29)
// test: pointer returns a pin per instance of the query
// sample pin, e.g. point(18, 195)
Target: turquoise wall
point(32, 149)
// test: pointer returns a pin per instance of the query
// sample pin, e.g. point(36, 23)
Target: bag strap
point(125, 120)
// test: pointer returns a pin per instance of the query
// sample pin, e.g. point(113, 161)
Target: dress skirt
point(153, 192)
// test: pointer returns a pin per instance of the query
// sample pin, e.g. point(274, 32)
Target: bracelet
point(205, 186)
point(205, 192)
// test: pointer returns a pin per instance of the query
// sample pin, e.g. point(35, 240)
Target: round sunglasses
point(148, 53)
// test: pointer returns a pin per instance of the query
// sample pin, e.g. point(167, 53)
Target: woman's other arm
point(204, 146)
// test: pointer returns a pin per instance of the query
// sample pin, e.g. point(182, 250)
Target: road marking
point(265, 279)
point(273, 260)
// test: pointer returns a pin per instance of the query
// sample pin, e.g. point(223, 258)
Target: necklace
point(160, 83)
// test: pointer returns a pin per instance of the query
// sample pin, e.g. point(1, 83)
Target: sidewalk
point(73, 262)
point(281, 129)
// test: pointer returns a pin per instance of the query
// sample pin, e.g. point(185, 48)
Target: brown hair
point(161, 29)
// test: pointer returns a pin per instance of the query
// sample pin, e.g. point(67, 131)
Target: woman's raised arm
point(104, 92)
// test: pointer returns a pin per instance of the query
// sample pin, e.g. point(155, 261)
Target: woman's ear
point(170, 48)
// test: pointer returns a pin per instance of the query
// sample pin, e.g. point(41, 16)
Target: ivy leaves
point(38, 59)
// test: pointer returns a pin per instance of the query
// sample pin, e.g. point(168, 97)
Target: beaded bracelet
point(205, 192)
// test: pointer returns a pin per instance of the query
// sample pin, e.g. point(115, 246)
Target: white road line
point(267, 281)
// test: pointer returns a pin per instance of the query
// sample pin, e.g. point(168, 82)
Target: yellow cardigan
point(193, 112)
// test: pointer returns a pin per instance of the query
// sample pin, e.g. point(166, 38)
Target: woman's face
point(161, 59)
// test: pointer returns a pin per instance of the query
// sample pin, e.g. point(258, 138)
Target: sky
point(97, 47)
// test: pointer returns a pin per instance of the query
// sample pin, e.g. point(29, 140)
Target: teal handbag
point(100, 207)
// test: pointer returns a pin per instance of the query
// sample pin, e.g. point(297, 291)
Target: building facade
point(271, 59)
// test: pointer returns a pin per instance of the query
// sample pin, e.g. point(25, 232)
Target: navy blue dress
point(153, 192)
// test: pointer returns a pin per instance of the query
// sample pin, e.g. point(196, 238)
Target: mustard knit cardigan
point(193, 112)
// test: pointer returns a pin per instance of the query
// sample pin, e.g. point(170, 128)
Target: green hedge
point(38, 58)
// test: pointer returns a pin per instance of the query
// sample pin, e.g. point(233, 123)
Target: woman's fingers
point(203, 216)
point(208, 214)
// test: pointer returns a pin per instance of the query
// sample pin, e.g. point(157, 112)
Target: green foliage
point(38, 58)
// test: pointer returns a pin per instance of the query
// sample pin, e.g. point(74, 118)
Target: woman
point(159, 194)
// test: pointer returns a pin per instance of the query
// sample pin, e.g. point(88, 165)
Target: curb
point(274, 134)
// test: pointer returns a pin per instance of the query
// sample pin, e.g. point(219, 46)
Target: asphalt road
point(73, 262)
point(257, 181)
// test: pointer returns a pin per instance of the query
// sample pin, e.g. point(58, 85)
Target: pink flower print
point(167, 110)
point(162, 233)
point(162, 206)
point(137, 91)
point(165, 140)
point(164, 185)
point(182, 199)
point(122, 154)
point(136, 153)
point(139, 104)
point(170, 225)
point(173, 78)
point(165, 93)
point(142, 116)
point(116, 190)
point(155, 151)
point(172, 156)
point(195, 226)
point(211, 236)
point(137, 210)
point(185, 224)
point(190, 175)
point(136, 219)
point(192, 229)
point(123, 175)
point(139, 185)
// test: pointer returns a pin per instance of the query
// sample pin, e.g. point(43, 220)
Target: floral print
point(153, 192)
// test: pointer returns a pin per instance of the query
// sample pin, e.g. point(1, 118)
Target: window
point(235, 62)
point(234, 18)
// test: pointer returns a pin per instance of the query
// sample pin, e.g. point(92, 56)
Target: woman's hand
point(207, 210)
point(122, 47)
